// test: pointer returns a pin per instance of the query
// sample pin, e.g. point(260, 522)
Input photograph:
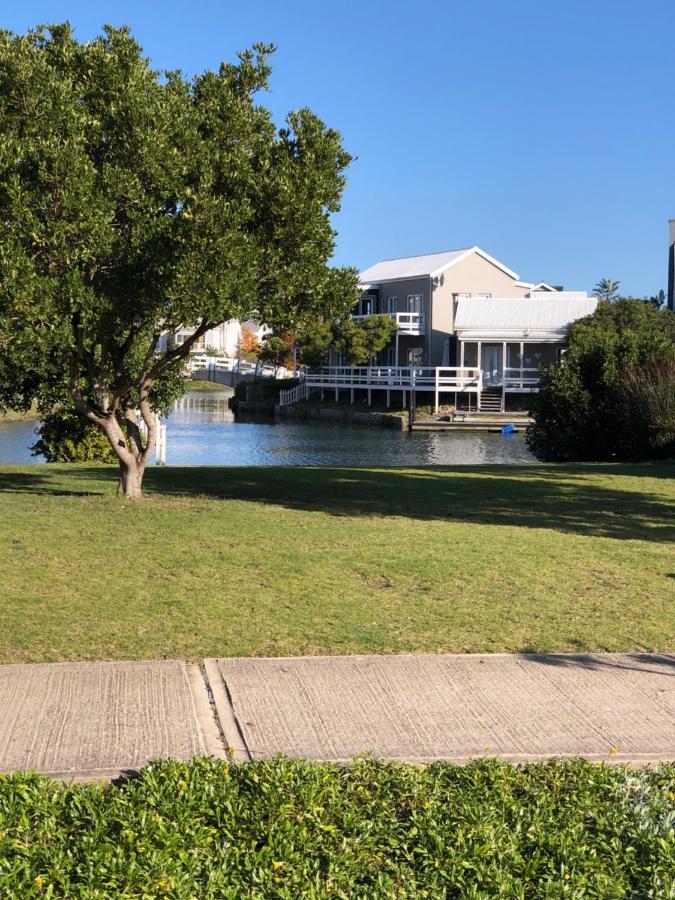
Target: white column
point(522, 361)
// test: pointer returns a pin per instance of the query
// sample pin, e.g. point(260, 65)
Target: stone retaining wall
point(348, 416)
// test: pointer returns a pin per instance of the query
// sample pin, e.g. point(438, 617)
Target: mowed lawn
point(280, 561)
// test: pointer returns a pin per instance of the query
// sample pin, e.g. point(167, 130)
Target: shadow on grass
point(587, 500)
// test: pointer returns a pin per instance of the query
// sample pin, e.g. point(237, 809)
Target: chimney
point(671, 264)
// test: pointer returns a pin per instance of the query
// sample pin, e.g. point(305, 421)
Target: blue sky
point(543, 132)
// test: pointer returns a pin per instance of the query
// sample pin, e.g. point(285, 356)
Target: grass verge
point(288, 829)
point(287, 561)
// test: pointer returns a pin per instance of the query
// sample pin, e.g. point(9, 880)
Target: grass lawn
point(197, 384)
point(282, 561)
point(286, 829)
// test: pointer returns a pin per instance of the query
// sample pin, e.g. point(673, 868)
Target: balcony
point(407, 323)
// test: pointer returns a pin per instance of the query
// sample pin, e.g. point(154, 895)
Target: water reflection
point(201, 431)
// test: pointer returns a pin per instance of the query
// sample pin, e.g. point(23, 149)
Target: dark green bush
point(263, 388)
point(288, 829)
point(66, 436)
point(610, 398)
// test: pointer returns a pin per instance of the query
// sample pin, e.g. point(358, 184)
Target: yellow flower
point(276, 864)
point(613, 750)
point(39, 881)
point(182, 783)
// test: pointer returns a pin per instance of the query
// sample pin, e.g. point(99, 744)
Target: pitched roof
point(551, 313)
point(421, 266)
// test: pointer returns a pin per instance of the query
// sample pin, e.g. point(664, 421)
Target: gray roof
point(421, 266)
point(549, 313)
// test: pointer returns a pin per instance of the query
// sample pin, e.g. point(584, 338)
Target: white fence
point(456, 379)
point(200, 362)
point(294, 394)
point(521, 379)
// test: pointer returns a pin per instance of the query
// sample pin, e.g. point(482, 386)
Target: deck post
point(370, 397)
point(337, 394)
point(436, 393)
point(388, 397)
point(352, 396)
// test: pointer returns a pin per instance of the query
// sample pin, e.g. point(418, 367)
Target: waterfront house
point(468, 330)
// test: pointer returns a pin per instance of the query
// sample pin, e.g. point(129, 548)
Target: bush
point(263, 388)
point(611, 396)
point(66, 436)
point(286, 828)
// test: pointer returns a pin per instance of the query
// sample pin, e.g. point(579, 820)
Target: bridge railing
point(200, 362)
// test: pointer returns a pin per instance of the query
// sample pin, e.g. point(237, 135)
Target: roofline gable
point(486, 256)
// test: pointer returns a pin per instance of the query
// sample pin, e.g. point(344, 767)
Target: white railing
point(200, 362)
point(406, 322)
point(517, 379)
point(294, 394)
point(421, 378)
point(399, 378)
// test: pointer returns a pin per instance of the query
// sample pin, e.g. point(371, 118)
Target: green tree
point(657, 300)
point(607, 289)
point(277, 350)
point(361, 341)
point(133, 203)
point(593, 405)
point(315, 341)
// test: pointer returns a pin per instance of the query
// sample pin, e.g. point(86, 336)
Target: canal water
point(201, 431)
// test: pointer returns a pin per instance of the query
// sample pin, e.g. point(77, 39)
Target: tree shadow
point(41, 481)
point(654, 663)
point(573, 499)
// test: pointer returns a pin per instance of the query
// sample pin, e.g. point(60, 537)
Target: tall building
point(671, 264)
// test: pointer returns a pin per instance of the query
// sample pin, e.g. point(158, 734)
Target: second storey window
point(414, 303)
point(392, 303)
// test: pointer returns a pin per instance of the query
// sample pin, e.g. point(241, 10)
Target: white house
point(467, 328)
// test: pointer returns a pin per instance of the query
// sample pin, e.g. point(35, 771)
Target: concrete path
point(455, 707)
point(97, 720)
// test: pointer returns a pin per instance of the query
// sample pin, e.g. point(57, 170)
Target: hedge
point(290, 829)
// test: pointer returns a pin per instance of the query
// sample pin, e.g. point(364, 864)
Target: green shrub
point(610, 398)
point(263, 388)
point(289, 829)
point(66, 436)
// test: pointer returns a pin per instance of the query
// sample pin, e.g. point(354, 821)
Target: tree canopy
point(134, 203)
point(613, 395)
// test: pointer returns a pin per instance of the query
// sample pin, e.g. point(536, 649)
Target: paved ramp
point(422, 708)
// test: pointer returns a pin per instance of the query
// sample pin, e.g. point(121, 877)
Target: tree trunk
point(131, 480)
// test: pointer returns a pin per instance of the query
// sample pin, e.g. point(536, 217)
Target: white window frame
point(484, 296)
point(461, 296)
point(413, 300)
point(392, 303)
